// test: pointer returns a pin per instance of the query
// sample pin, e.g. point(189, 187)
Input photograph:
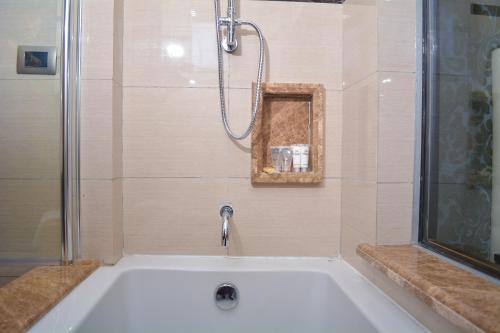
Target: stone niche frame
point(289, 113)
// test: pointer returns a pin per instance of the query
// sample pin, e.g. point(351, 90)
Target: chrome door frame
point(70, 66)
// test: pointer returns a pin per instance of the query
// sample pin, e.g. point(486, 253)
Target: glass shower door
point(461, 206)
point(30, 136)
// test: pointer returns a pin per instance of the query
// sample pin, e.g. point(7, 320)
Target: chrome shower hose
point(258, 87)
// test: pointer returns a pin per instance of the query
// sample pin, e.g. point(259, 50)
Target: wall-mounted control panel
point(38, 60)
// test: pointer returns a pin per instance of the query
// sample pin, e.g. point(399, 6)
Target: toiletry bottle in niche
point(275, 157)
point(296, 152)
point(304, 158)
point(286, 158)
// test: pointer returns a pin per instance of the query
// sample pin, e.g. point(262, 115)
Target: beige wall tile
point(170, 44)
point(117, 211)
point(118, 26)
point(96, 216)
point(351, 238)
point(164, 128)
point(284, 221)
point(360, 132)
point(397, 35)
point(240, 104)
point(101, 130)
point(30, 125)
point(396, 127)
point(98, 236)
point(28, 22)
point(394, 213)
point(360, 48)
point(333, 133)
point(358, 220)
point(173, 132)
point(96, 129)
point(117, 130)
point(378, 124)
point(97, 39)
point(31, 218)
point(173, 216)
point(359, 206)
point(295, 52)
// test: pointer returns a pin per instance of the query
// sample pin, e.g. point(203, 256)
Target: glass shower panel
point(463, 37)
point(30, 138)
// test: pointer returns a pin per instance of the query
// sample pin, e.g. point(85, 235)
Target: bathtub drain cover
point(226, 296)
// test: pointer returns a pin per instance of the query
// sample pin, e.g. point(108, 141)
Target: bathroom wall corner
point(101, 132)
point(378, 124)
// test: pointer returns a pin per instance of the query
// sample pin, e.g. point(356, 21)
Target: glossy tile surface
point(169, 44)
point(173, 215)
point(101, 140)
point(41, 21)
point(96, 129)
point(97, 39)
point(359, 200)
point(360, 37)
point(360, 130)
point(394, 213)
point(396, 127)
point(284, 220)
point(173, 132)
point(176, 155)
point(97, 218)
point(461, 297)
point(117, 130)
point(303, 44)
point(351, 239)
point(397, 35)
point(378, 122)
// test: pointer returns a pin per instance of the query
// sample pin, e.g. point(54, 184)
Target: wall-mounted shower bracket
point(229, 43)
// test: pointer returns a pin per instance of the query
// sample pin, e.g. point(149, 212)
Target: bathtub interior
point(146, 300)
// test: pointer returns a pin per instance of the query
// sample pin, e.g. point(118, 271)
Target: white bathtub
point(176, 294)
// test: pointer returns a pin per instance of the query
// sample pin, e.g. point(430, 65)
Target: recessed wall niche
point(290, 113)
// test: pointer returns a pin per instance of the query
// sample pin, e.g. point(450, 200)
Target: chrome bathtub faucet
point(225, 213)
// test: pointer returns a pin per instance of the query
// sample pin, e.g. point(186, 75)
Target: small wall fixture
point(36, 60)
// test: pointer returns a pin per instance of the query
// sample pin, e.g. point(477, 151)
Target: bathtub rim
point(386, 316)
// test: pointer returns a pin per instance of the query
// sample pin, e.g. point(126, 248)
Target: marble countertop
point(26, 299)
point(465, 299)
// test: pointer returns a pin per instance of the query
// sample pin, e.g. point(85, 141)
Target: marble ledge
point(28, 298)
point(461, 297)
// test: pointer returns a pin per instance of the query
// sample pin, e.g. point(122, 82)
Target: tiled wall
point(30, 126)
point(101, 130)
point(179, 165)
point(378, 122)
